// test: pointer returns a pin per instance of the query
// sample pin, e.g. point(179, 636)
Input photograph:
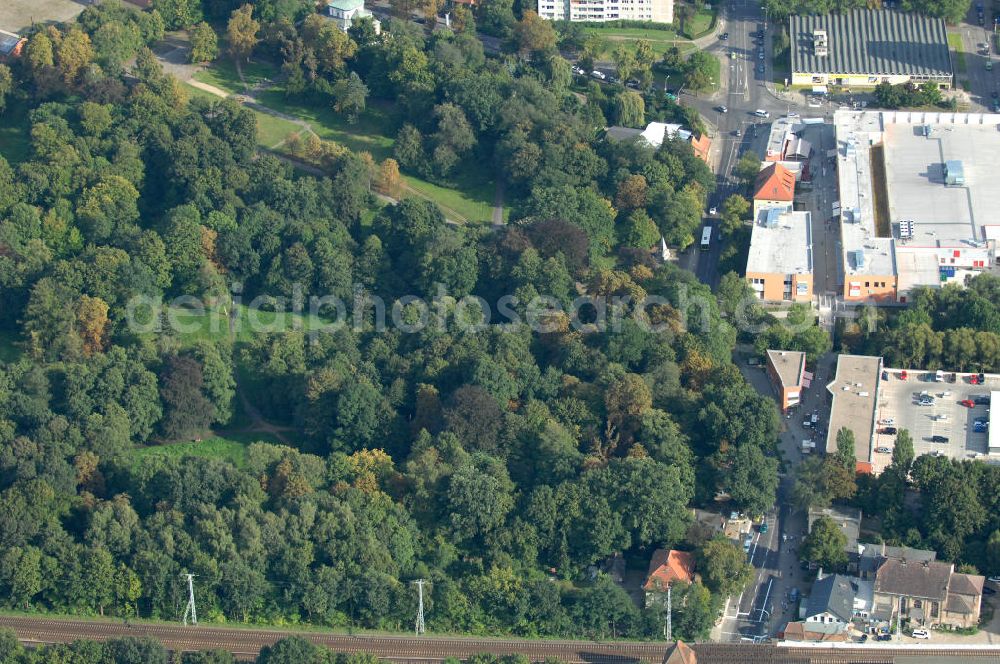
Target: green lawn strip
point(955, 43)
point(230, 447)
point(371, 133)
point(660, 40)
point(472, 200)
point(700, 24)
point(15, 134)
point(192, 325)
point(8, 351)
point(223, 74)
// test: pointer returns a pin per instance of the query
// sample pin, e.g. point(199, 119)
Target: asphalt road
point(983, 83)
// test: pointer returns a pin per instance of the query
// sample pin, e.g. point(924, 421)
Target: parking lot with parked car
point(946, 414)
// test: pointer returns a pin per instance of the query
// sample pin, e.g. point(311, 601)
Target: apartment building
point(657, 11)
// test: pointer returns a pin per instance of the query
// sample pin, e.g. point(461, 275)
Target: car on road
point(760, 54)
point(921, 634)
point(599, 75)
point(737, 133)
point(968, 403)
point(882, 450)
point(712, 211)
point(722, 109)
point(761, 113)
point(724, 36)
point(613, 79)
point(888, 431)
point(760, 68)
point(746, 543)
point(939, 439)
point(980, 427)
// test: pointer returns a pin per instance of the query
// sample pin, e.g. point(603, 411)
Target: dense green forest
point(497, 461)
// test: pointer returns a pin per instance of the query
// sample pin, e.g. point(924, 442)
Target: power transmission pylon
point(419, 583)
point(189, 609)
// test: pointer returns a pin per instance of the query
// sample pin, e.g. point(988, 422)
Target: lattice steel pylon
point(189, 609)
point(419, 583)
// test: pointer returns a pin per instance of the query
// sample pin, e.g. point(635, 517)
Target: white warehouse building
point(659, 11)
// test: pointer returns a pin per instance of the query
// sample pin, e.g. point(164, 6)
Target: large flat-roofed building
point(917, 200)
point(657, 11)
point(855, 393)
point(780, 262)
point(865, 47)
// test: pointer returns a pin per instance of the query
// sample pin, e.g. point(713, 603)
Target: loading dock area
point(944, 414)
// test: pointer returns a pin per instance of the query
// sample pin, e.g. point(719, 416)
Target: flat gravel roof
point(874, 42)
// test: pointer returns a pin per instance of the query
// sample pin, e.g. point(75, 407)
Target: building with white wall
point(657, 11)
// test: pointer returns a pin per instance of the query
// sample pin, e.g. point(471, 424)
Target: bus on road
point(706, 238)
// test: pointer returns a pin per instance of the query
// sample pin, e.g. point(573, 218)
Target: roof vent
point(820, 46)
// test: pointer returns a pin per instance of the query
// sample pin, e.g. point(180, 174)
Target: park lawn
point(955, 44)
point(273, 131)
point(15, 134)
point(660, 40)
point(700, 23)
point(371, 133)
point(9, 352)
point(472, 200)
point(223, 74)
point(229, 446)
point(212, 324)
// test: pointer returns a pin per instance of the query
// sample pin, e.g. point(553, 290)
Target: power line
point(419, 583)
point(189, 609)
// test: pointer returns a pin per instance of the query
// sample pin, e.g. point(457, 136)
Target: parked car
point(888, 431)
point(613, 79)
point(903, 375)
point(724, 36)
point(968, 403)
point(982, 379)
point(599, 75)
point(921, 634)
point(737, 133)
point(883, 637)
point(579, 71)
point(980, 427)
point(882, 450)
point(981, 400)
point(994, 579)
point(761, 113)
point(888, 421)
point(712, 211)
point(760, 67)
point(939, 439)
point(763, 527)
point(760, 54)
point(989, 591)
point(722, 109)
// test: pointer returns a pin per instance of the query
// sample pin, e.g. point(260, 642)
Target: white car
point(598, 75)
point(921, 634)
point(882, 450)
point(712, 211)
point(761, 113)
point(578, 70)
point(887, 421)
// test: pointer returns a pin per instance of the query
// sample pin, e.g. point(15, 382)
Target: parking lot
point(19, 15)
point(899, 402)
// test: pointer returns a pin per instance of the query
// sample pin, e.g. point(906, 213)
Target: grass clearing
point(699, 24)
point(15, 133)
point(370, 133)
point(955, 44)
point(271, 130)
point(223, 74)
point(231, 447)
point(660, 40)
point(192, 325)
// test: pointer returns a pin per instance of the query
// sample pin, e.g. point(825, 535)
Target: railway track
point(246, 643)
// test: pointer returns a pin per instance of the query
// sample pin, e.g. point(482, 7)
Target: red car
point(902, 375)
point(968, 403)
